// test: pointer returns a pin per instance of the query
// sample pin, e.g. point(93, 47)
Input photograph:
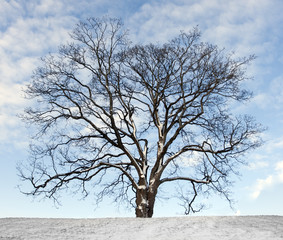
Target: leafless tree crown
point(125, 119)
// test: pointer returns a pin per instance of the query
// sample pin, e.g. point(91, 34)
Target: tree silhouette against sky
point(125, 119)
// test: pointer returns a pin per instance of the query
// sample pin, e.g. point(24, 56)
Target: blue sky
point(30, 29)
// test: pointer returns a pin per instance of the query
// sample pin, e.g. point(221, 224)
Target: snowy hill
point(200, 228)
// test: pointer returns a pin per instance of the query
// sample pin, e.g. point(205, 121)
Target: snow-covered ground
point(197, 228)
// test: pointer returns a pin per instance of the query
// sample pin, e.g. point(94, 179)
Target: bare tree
point(130, 118)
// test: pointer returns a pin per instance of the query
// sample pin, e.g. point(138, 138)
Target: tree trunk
point(145, 199)
point(141, 203)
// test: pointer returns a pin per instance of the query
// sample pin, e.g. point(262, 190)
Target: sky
point(30, 29)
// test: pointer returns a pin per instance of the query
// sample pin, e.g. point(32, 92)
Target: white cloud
point(28, 30)
point(261, 184)
point(8, 11)
point(276, 91)
point(52, 7)
point(279, 169)
point(27, 37)
point(10, 94)
point(225, 22)
point(262, 100)
point(271, 97)
point(257, 164)
point(267, 161)
point(272, 146)
point(271, 180)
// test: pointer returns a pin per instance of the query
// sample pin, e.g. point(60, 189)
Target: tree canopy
point(125, 119)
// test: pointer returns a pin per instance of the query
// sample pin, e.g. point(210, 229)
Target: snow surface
point(200, 228)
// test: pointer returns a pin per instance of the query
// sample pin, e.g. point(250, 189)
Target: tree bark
point(141, 203)
point(151, 200)
point(145, 199)
point(145, 204)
